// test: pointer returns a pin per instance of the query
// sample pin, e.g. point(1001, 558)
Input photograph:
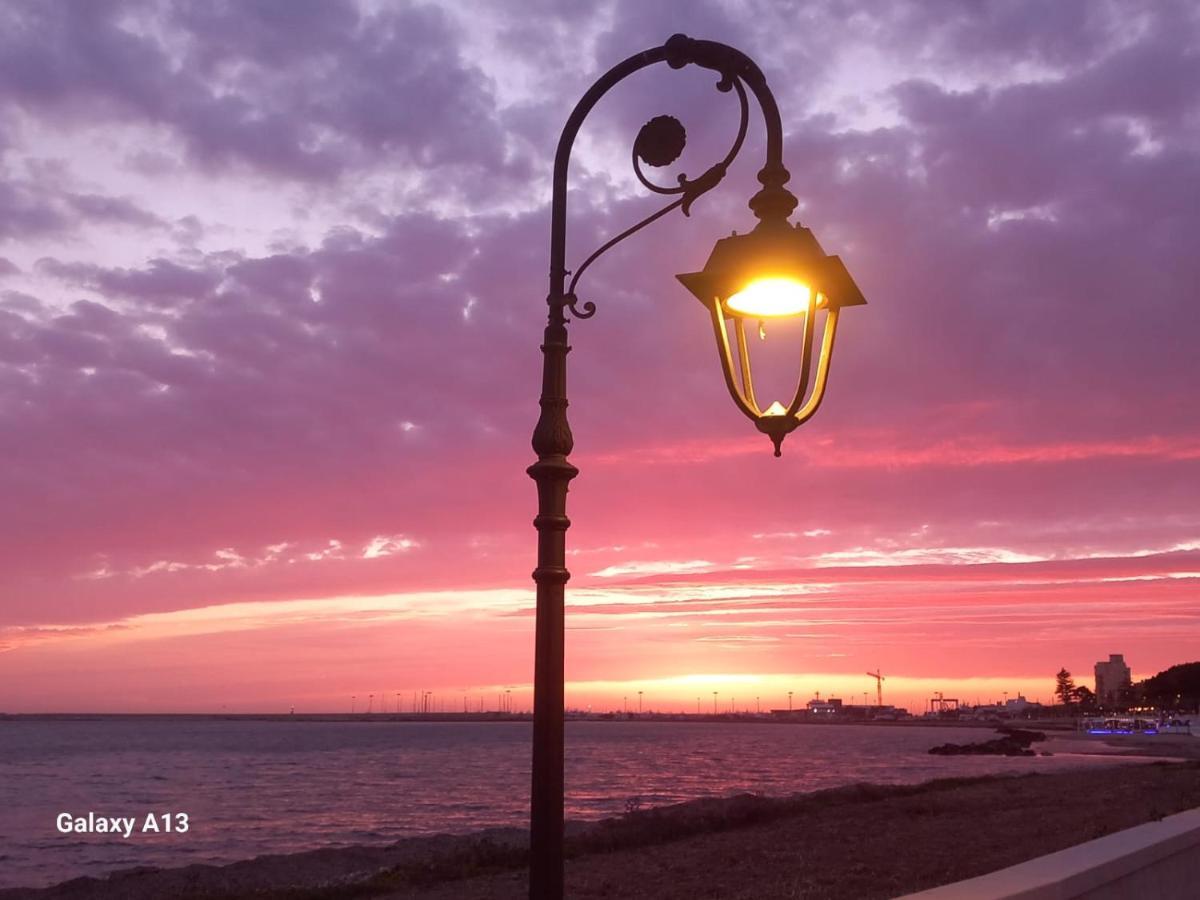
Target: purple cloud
point(299, 90)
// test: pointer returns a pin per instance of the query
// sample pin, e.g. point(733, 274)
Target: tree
point(1084, 697)
point(1064, 687)
point(1176, 688)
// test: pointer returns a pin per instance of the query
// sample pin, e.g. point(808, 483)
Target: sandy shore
point(1163, 746)
point(856, 842)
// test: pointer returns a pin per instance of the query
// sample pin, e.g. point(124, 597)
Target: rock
point(1013, 742)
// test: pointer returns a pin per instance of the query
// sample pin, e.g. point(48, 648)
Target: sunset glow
point(270, 315)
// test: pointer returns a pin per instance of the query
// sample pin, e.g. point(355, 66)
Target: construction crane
point(878, 676)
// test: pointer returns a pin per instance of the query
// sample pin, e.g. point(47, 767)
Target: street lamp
point(775, 271)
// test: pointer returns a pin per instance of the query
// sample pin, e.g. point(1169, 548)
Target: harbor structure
point(829, 707)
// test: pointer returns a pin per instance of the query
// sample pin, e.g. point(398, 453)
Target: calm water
point(252, 787)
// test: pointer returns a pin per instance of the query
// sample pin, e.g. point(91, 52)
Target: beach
point(253, 788)
point(859, 841)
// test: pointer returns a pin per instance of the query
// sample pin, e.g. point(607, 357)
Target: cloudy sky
point(272, 281)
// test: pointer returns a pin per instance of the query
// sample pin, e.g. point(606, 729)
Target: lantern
point(777, 271)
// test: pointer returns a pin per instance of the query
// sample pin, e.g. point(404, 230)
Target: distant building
point(1019, 705)
point(829, 707)
point(834, 708)
point(1112, 680)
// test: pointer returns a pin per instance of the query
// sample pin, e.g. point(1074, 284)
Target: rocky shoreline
point(1012, 742)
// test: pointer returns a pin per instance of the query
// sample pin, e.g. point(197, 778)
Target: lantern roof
point(773, 250)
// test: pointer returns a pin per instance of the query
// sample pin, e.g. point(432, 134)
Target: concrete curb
point(1159, 860)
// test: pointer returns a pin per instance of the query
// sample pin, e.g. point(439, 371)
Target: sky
point(272, 284)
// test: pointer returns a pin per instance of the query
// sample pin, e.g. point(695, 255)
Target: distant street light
point(775, 271)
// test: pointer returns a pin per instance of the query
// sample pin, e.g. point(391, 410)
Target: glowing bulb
point(770, 298)
point(775, 409)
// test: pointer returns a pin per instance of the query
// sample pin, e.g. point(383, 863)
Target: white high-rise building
point(1112, 680)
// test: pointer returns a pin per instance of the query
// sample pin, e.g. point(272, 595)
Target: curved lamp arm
point(735, 69)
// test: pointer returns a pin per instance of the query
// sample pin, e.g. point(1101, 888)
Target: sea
point(249, 787)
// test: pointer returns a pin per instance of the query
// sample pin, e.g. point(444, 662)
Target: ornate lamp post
point(775, 271)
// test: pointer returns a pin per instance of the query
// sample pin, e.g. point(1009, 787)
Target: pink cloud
point(877, 450)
